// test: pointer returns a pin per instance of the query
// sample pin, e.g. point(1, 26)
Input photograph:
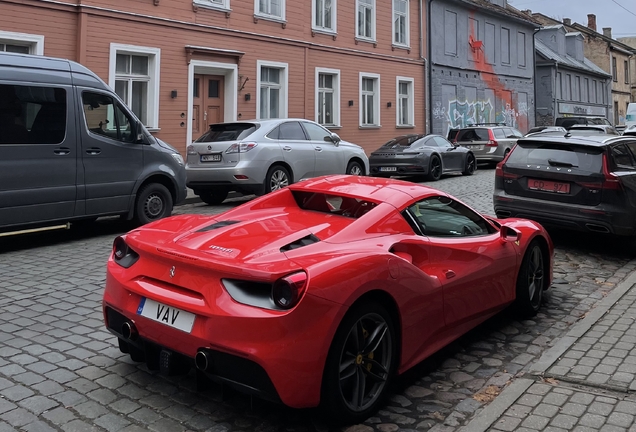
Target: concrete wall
point(475, 84)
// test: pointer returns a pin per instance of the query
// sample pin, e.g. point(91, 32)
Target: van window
point(104, 117)
point(32, 114)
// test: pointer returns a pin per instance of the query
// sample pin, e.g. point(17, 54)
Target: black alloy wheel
point(471, 165)
point(360, 364)
point(531, 280)
point(154, 202)
point(435, 168)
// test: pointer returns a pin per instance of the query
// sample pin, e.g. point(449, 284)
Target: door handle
point(449, 274)
point(94, 151)
point(62, 151)
point(318, 148)
point(287, 148)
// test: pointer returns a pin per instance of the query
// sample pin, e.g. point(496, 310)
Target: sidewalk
point(585, 382)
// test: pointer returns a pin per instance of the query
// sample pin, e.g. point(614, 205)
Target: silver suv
point(489, 143)
point(259, 156)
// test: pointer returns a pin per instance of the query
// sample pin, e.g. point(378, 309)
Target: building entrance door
point(207, 105)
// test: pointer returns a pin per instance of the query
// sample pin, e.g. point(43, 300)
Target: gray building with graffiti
point(481, 68)
point(568, 84)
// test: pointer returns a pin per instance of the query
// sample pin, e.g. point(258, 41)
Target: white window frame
point(154, 67)
point(283, 86)
point(373, 21)
point(376, 105)
point(334, 13)
point(223, 5)
point(35, 42)
point(407, 17)
point(264, 15)
point(336, 96)
point(411, 101)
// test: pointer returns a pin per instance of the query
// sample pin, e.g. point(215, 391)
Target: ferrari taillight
point(123, 254)
point(287, 291)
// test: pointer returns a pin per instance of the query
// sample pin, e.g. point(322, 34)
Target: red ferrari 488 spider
point(321, 292)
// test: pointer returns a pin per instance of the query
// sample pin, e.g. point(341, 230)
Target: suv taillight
point(611, 180)
point(492, 142)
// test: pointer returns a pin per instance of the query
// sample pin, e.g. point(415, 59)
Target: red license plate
point(549, 186)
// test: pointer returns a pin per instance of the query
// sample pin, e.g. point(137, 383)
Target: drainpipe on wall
point(555, 111)
point(426, 86)
point(534, 78)
point(429, 99)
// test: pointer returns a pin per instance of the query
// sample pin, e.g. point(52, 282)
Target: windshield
point(402, 141)
point(228, 132)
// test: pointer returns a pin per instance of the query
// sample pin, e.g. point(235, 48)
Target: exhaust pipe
point(203, 360)
point(129, 331)
point(597, 228)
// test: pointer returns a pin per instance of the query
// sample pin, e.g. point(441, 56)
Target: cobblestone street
point(60, 369)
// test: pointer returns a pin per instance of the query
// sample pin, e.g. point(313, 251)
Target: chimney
point(567, 21)
point(607, 32)
point(591, 21)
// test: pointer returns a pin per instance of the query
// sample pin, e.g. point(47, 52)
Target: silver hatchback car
point(259, 156)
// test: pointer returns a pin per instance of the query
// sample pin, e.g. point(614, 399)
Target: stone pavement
point(60, 370)
point(585, 382)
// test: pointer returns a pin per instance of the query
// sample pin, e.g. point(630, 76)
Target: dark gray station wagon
point(584, 183)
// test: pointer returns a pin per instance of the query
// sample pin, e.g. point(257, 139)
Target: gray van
point(71, 150)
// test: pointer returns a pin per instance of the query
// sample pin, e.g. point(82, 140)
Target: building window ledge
point(271, 18)
point(407, 48)
point(197, 4)
point(405, 126)
point(359, 39)
point(370, 126)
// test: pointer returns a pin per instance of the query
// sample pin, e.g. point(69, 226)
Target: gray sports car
point(421, 155)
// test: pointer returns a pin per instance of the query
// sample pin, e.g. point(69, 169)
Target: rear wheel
point(277, 178)
point(154, 202)
point(213, 196)
point(530, 282)
point(434, 168)
point(360, 364)
point(471, 165)
point(354, 168)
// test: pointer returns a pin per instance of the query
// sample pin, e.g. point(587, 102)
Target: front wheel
point(361, 362)
point(471, 165)
point(154, 202)
point(277, 178)
point(530, 281)
point(354, 168)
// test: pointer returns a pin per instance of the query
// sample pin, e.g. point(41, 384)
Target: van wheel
point(213, 196)
point(153, 203)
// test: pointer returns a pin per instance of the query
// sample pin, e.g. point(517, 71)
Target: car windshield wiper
point(563, 164)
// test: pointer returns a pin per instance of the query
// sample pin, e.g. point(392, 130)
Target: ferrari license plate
point(168, 315)
point(211, 158)
point(385, 169)
point(549, 186)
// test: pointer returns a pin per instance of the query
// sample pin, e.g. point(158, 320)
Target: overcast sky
point(609, 13)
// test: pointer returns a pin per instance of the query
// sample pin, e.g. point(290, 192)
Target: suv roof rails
point(488, 124)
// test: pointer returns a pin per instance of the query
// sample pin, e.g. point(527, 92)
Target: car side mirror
point(509, 234)
point(334, 138)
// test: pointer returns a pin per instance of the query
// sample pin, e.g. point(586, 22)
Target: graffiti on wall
point(507, 115)
point(461, 114)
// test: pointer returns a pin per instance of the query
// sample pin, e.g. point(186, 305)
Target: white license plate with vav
point(165, 314)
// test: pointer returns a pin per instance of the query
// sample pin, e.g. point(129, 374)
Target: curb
point(486, 418)
point(496, 408)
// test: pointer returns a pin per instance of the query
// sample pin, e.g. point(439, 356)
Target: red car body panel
point(440, 287)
